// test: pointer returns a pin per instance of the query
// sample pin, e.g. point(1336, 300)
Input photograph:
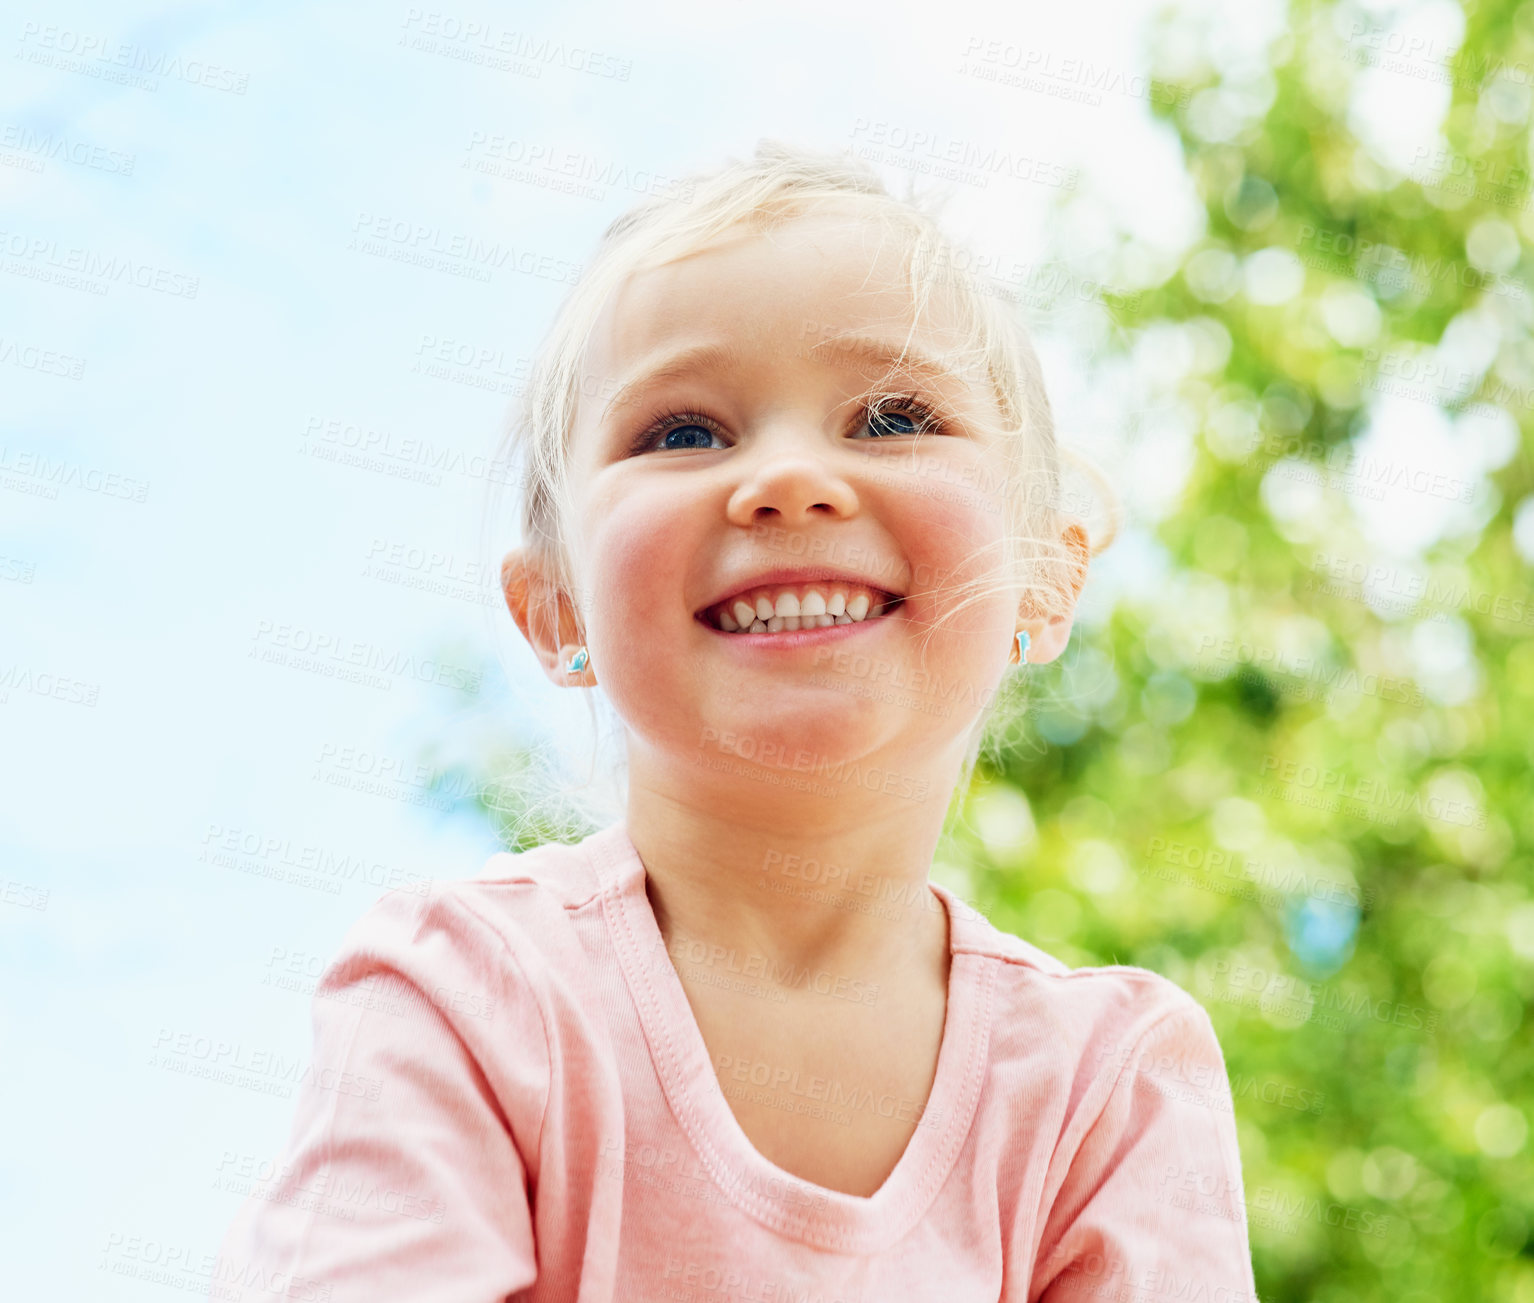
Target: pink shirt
point(510, 1097)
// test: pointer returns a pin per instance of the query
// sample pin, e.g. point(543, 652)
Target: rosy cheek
point(951, 521)
point(953, 535)
point(639, 545)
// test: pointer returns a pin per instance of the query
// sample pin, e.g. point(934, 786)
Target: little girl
point(791, 500)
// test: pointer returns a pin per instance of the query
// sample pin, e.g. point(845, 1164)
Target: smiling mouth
point(790, 608)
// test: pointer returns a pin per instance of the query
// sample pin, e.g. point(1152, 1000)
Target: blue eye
point(890, 416)
point(891, 423)
point(686, 436)
point(902, 416)
point(675, 432)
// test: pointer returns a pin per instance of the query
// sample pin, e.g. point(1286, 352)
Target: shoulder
point(1113, 1045)
point(1097, 1015)
point(1115, 988)
point(1134, 1028)
point(514, 916)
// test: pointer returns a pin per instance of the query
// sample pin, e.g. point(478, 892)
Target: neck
point(835, 886)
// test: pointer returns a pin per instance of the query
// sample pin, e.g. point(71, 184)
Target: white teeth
point(788, 611)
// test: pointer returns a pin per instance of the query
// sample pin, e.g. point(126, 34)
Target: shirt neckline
point(786, 1203)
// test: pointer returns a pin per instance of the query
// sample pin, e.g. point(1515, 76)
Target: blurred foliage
point(1304, 794)
point(1292, 775)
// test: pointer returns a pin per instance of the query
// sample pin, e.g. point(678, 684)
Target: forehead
point(783, 290)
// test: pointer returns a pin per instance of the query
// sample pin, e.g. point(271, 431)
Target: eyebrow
point(852, 348)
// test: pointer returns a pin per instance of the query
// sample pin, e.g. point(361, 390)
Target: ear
point(546, 616)
point(1048, 635)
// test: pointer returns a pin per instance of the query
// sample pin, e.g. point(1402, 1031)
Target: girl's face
point(728, 452)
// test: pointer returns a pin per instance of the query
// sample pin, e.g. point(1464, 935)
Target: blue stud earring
point(1022, 647)
point(578, 662)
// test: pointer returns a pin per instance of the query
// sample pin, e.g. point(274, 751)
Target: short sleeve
point(1152, 1204)
point(404, 1177)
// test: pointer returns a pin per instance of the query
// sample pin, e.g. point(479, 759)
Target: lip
point(795, 575)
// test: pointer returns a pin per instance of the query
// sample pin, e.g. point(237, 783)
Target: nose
point(789, 477)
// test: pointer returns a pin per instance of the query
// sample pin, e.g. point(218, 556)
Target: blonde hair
point(775, 185)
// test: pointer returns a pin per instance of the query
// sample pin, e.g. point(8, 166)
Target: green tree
point(1306, 797)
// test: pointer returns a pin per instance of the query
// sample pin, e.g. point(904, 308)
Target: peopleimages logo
point(472, 41)
point(933, 151)
point(50, 146)
point(47, 254)
point(1252, 658)
point(232, 1063)
point(545, 164)
point(1369, 791)
point(211, 1275)
point(775, 755)
point(118, 61)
